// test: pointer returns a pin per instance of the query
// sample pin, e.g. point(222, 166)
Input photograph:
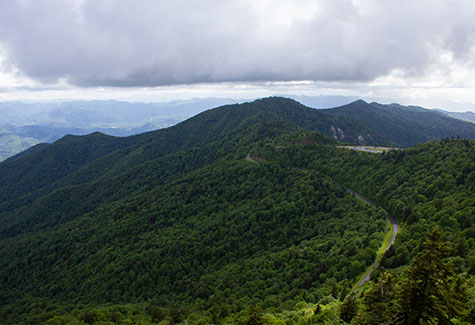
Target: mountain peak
point(356, 105)
point(277, 100)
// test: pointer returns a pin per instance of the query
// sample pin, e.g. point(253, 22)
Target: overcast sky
point(419, 52)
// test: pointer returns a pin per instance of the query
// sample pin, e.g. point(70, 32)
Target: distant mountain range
point(23, 125)
point(464, 116)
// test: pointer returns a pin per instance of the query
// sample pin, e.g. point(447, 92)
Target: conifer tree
point(344, 291)
point(334, 290)
point(254, 316)
point(349, 308)
point(432, 293)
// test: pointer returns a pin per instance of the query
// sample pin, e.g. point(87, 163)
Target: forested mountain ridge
point(405, 126)
point(214, 124)
point(96, 256)
point(107, 160)
point(176, 226)
point(81, 118)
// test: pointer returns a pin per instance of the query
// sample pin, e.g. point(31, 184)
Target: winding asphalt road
point(393, 238)
point(391, 219)
point(248, 157)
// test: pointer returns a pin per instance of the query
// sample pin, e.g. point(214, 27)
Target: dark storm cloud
point(150, 43)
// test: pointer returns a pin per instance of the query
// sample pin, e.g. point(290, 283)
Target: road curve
point(395, 230)
point(248, 157)
point(391, 219)
point(393, 238)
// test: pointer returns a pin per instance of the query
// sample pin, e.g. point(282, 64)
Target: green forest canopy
point(178, 226)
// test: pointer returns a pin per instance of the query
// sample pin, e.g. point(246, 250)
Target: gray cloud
point(151, 43)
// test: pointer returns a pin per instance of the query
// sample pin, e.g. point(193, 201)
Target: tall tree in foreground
point(433, 293)
point(349, 308)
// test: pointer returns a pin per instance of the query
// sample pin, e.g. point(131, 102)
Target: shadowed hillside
point(405, 125)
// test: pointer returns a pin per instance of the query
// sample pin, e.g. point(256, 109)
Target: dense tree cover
point(176, 225)
point(349, 308)
point(36, 175)
point(405, 126)
point(380, 302)
point(428, 186)
point(79, 160)
point(46, 207)
point(432, 293)
point(228, 233)
point(423, 187)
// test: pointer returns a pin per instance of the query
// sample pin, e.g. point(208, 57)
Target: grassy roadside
point(385, 243)
point(360, 199)
point(381, 250)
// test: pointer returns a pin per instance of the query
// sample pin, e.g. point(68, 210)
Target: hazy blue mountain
point(103, 113)
point(11, 143)
point(464, 116)
point(25, 124)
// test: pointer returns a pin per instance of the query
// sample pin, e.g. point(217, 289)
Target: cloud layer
point(153, 43)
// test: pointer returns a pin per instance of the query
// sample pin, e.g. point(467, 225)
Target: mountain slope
point(427, 187)
point(405, 126)
point(106, 160)
point(177, 224)
point(35, 183)
point(226, 232)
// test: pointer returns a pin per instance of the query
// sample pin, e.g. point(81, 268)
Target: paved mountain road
point(393, 238)
point(248, 157)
